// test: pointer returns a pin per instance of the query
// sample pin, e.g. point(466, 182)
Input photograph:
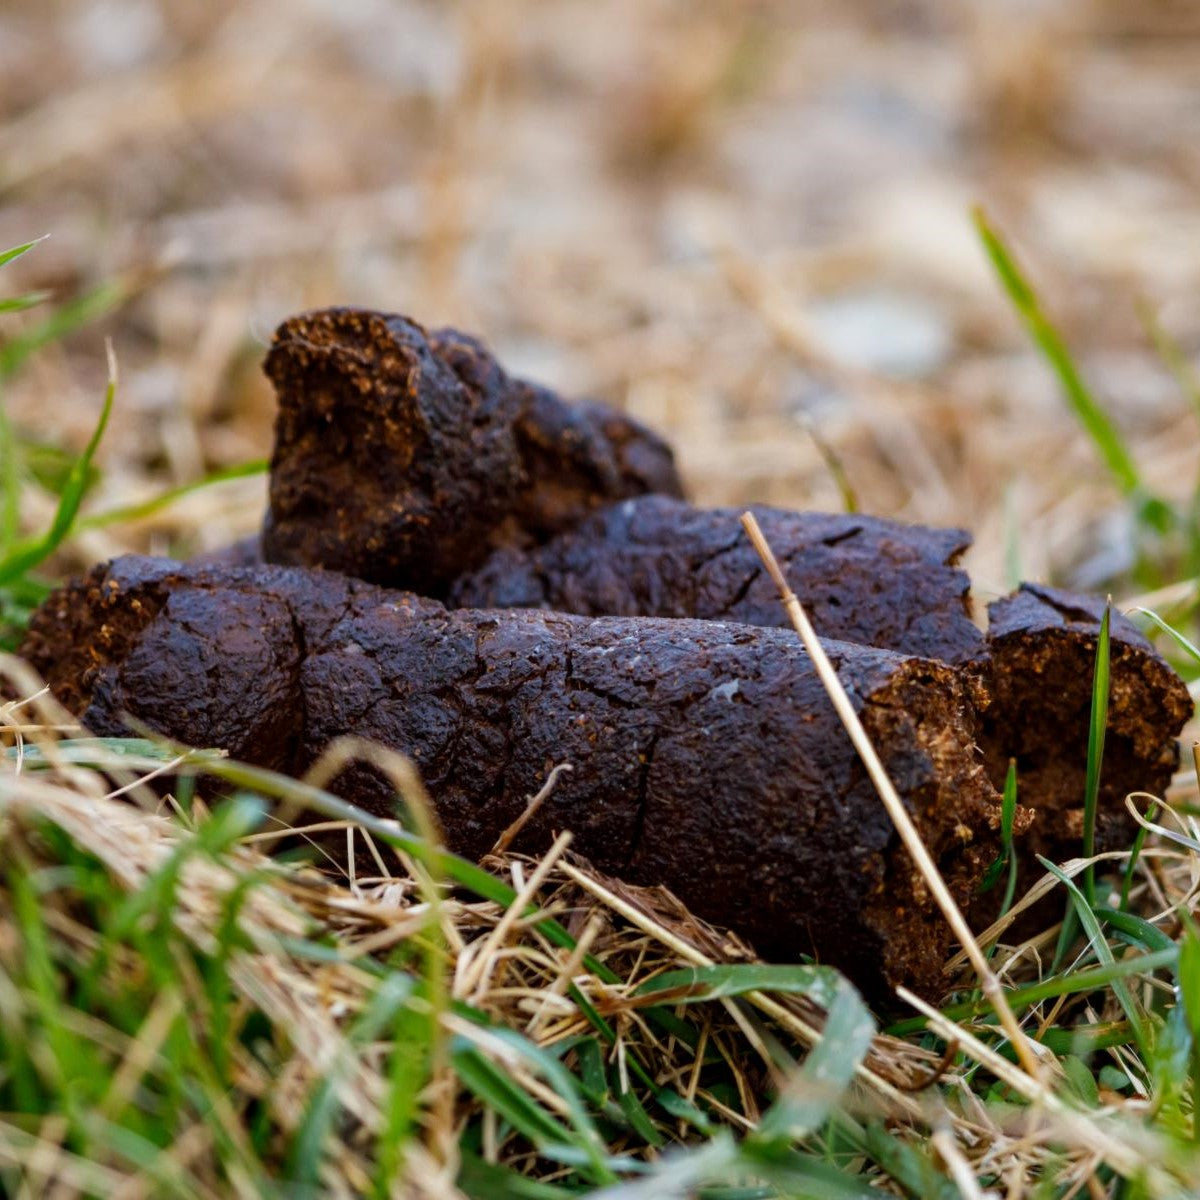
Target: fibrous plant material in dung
point(862, 579)
point(705, 754)
point(1041, 653)
point(402, 455)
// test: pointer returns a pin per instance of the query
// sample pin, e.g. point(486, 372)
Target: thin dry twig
point(510, 833)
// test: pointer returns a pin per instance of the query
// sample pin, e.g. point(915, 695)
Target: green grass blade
point(469, 875)
point(587, 1137)
point(48, 464)
point(675, 1176)
point(10, 485)
point(1091, 414)
point(836, 468)
point(148, 508)
point(1080, 1080)
point(59, 324)
point(1087, 1039)
point(691, 985)
point(316, 1128)
point(912, 1168)
point(6, 256)
point(1102, 949)
point(413, 1039)
point(1134, 930)
point(20, 303)
point(496, 1089)
point(1092, 979)
point(1073, 983)
point(136, 754)
point(1189, 997)
point(635, 1114)
point(1008, 813)
point(482, 1180)
point(808, 1100)
point(1006, 857)
point(170, 1179)
point(28, 554)
point(1095, 750)
point(1187, 646)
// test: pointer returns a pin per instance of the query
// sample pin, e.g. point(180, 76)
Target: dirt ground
point(745, 223)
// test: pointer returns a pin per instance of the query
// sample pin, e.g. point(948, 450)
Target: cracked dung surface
point(402, 455)
point(862, 579)
point(706, 755)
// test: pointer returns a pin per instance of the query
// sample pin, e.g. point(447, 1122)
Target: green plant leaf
point(1101, 947)
point(28, 554)
point(1187, 646)
point(1188, 973)
point(496, 1089)
point(147, 508)
point(11, 304)
point(482, 1180)
point(1099, 426)
point(567, 1087)
point(908, 1165)
point(6, 256)
point(809, 1098)
point(1134, 930)
point(1080, 1080)
point(62, 322)
point(1006, 857)
point(1097, 726)
point(48, 464)
point(696, 985)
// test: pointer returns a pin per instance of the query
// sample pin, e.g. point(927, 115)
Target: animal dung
point(706, 755)
point(862, 579)
point(468, 569)
point(889, 584)
point(1041, 654)
point(402, 455)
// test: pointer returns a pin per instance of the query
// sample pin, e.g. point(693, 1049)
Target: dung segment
point(706, 754)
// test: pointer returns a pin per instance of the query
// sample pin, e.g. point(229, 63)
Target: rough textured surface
point(862, 579)
point(1042, 644)
point(577, 457)
point(401, 456)
point(706, 755)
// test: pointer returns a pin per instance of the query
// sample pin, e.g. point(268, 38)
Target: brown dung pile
point(562, 603)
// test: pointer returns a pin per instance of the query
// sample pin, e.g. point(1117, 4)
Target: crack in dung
point(743, 590)
point(712, 555)
point(1071, 612)
point(298, 739)
point(835, 539)
point(643, 790)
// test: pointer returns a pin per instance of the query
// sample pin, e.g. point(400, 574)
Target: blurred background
point(748, 224)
